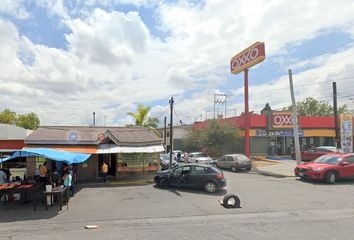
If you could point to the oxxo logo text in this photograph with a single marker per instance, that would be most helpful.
(243, 59)
(282, 120)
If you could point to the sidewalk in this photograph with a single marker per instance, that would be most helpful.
(282, 168)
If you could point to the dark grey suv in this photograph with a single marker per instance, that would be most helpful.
(207, 177)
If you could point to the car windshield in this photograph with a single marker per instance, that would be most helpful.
(328, 159)
(200, 155)
(242, 157)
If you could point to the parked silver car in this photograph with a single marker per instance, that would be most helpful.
(199, 157)
(234, 162)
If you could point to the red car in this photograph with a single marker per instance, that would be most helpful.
(313, 153)
(327, 168)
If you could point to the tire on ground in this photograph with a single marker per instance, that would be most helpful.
(231, 201)
(331, 177)
(163, 183)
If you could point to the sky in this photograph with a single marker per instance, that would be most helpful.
(65, 59)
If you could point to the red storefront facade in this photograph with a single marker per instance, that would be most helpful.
(271, 132)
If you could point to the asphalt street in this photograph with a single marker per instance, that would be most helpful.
(271, 208)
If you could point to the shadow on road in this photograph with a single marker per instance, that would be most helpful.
(177, 190)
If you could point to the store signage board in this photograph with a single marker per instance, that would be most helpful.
(248, 58)
(346, 132)
(282, 120)
(277, 133)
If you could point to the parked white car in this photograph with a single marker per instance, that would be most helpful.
(199, 157)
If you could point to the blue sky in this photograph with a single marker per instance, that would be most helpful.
(109, 56)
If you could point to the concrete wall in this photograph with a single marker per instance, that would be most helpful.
(89, 169)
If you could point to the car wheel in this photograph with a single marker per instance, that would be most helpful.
(233, 168)
(331, 177)
(231, 201)
(248, 169)
(163, 183)
(210, 187)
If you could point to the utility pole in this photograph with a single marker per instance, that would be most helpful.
(171, 130)
(164, 133)
(105, 120)
(214, 105)
(295, 122)
(335, 110)
(247, 116)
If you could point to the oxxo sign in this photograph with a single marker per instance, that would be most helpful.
(282, 120)
(248, 58)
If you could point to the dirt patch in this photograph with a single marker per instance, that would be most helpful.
(259, 163)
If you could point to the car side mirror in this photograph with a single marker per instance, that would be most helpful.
(344, 163)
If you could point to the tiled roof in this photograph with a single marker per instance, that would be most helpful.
(90, 135)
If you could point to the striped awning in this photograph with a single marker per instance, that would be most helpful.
(110, 148)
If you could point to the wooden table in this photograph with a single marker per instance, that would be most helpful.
(13, 188)
(60, 193)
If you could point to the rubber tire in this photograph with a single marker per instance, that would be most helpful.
(163, 183)
(249, 169)
(215, 187)
(233, 168)
(229, 196)
(328, 177)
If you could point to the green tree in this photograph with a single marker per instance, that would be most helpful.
(141, 117)
(8, 117)
(212, 139)
(312, 107)
(28, 121)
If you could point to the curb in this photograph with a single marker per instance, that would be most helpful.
(271, 174)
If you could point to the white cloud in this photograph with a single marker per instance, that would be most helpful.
(14, 8)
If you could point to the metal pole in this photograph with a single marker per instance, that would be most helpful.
(171, 130)
(247, 117)
(214, 105)
(164, 133)
(335, 110)
(295, 120)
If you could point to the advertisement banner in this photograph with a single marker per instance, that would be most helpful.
(346, 132)
(277, 133)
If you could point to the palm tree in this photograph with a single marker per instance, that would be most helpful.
(142, 119)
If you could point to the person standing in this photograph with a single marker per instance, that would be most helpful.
(3, 176)
(67, 181)
(104, 171)
(186, 157)
(43, 173)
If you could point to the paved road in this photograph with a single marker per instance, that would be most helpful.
(272, 208)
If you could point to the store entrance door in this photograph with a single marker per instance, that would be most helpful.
(111, 160)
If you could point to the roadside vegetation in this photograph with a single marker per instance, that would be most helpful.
(214, 140)
(28, 121)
